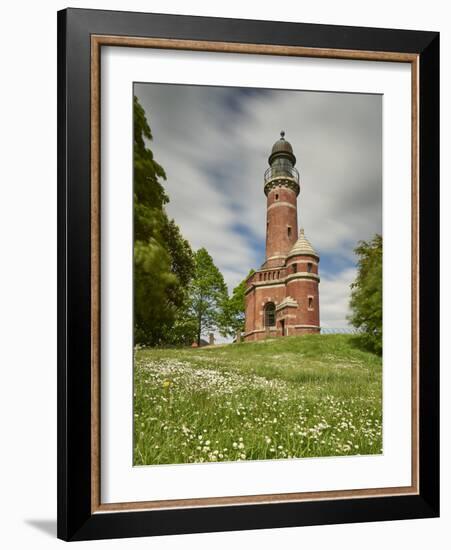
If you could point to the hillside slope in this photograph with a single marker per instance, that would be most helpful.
(308, 396)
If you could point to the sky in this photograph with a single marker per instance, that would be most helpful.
(214, 143)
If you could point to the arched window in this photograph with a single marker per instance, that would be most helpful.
(270, 315)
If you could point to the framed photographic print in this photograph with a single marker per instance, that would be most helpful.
(248, 274)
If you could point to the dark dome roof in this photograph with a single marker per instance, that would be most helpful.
(282, 145)
(282, 148)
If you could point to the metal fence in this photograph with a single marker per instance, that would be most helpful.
(281, 172)
(340, 330)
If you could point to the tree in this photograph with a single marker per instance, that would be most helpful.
(208, 295)
(235, 310)
(366, 293)
(163, 259)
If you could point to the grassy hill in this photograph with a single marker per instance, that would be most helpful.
(308, 396)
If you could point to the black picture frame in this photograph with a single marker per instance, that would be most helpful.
(76, 521)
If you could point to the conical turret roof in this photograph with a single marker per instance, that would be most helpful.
(302, 246)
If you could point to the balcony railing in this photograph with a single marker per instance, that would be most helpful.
(281, 172)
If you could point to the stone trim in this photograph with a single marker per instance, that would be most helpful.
(281, 203)
(271, 329)
(310, 260)
(293, 254)
(282, 181)
(266, 269)
(305, 326)
(287, 303)
(274, 258)
(302, 275)
(283, 306)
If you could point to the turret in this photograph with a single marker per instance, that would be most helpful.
(282, 297)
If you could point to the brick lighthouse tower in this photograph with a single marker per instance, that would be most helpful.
(282, 297)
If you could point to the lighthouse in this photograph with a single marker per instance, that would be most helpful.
(282, 297)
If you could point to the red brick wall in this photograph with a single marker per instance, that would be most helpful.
(302, 264)
(300, 290)
(262, 296)
(278, 218)
(270, 284)
(250, 308)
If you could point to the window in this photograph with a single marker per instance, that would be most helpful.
(310, 302)
(289, 231)
(309, 267)
(295, 268)
(277, 196)
(270, 315)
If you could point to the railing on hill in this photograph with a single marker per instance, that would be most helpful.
(340, 330)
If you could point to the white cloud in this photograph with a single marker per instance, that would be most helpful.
(334, 298)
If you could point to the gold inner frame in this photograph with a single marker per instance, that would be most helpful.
(97, 41)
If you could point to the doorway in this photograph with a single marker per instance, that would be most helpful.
(282, 326)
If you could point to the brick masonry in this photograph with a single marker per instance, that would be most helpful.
(282, 297)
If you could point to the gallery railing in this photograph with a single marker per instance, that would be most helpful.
(281, 172)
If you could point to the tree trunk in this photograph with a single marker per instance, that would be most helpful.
(199, 324)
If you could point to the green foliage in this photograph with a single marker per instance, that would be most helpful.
(235, 308)
(366, 293)
(163, 259)
(208, 295)
(298, 396)
(148, 193)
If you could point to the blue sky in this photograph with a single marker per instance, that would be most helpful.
(214, 142)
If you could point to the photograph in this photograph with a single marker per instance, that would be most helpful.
(248, 253)
(257, 274)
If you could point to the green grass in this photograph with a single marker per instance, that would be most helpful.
(308, 396)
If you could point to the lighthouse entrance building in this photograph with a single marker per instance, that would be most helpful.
(282, 297)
